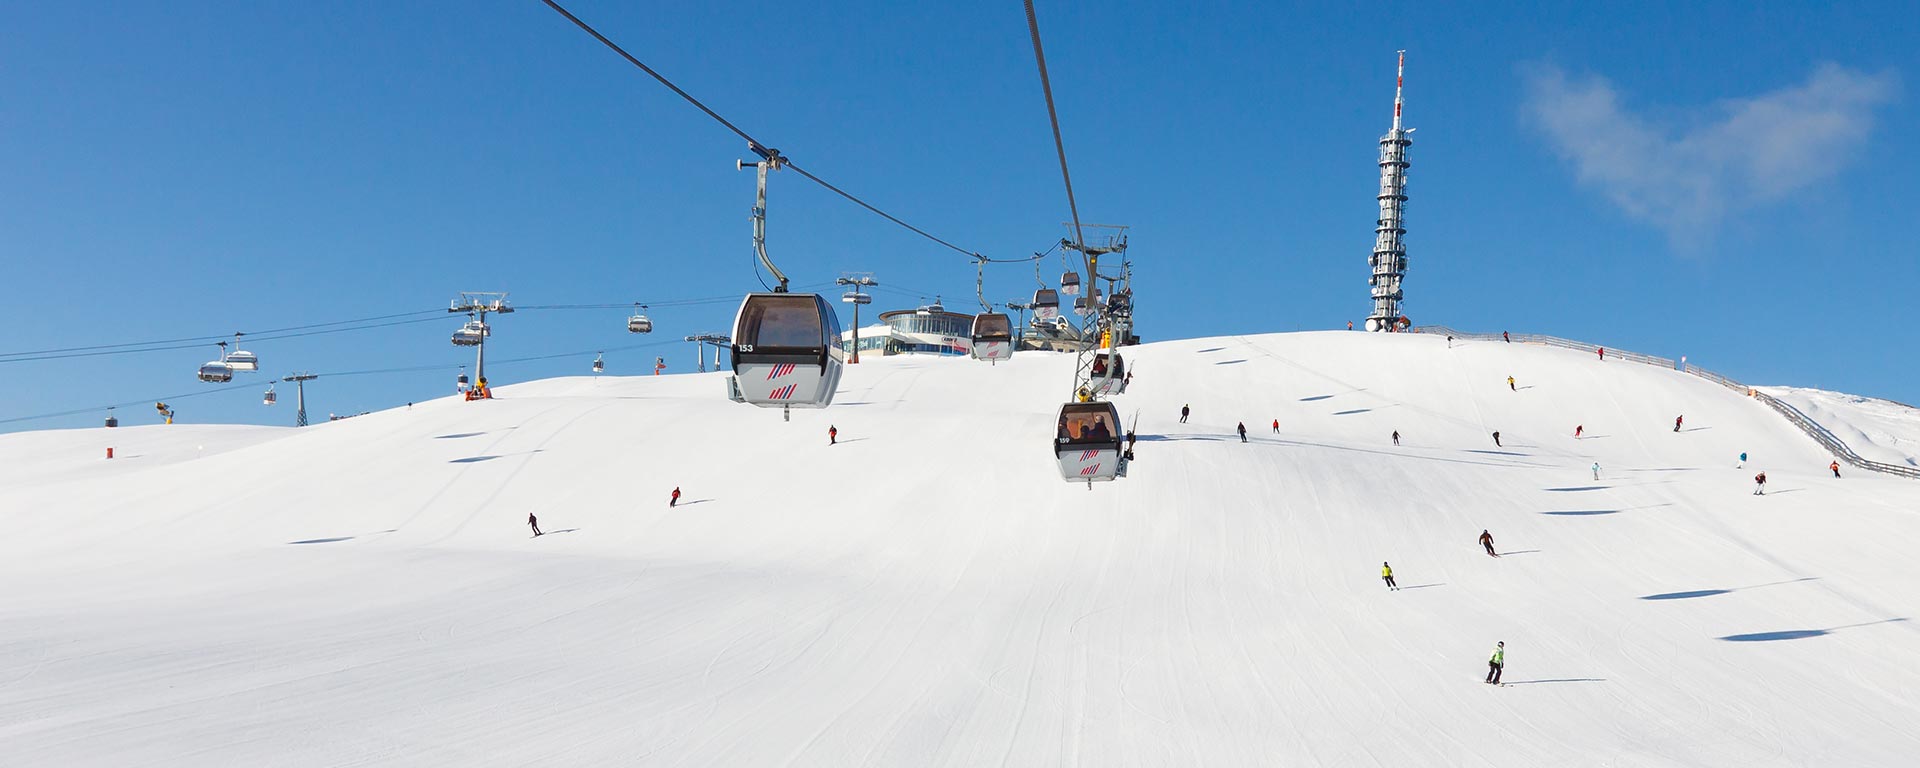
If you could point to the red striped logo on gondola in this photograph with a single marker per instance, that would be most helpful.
(1084, 455)
(1090, 470)
(783, 393)
(779, 371)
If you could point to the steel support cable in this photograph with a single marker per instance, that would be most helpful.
(236, 386)
(221, 337)
(1053, 117)
(130, 403)
(756, 143)
(261, 337)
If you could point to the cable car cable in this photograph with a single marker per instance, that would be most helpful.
(743, 134)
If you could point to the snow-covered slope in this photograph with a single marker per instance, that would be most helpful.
(1878, 430)
(928, 592)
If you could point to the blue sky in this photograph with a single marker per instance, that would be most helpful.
(1728, 181)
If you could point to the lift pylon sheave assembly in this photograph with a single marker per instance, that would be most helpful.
(1100, 370)
(858, 298)
(476, 305)
(786, 346)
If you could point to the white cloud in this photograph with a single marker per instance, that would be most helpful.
(1734, 155)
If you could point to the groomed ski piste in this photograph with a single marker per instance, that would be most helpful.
(929, 592)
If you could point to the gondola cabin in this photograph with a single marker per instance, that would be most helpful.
(1070, 283)
(460, 383)
(269, 398)
(599, 366)
(1046, 304)
(1088, 442)
(1109, 373)
(992, 337)
(786, 351)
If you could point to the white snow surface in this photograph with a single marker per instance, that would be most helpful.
(930, 593)
(1878, 430)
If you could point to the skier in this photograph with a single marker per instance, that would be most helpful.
(1496, 440)
(1577, 429)
(1184, 411)
(534, 523)
(1510, 384)
(1449, 341)
(1276, 426)
(1349, 325)
(1596, 470)
(1835, 466)
(674, 500)
(1743, 461)
(833, 435)
(1386, 573)
(1760, 484)
(1396, 438)
(1129, 445)
(1243, 431)
(1677, 420)
(1497, 663)
(1603, 354)
(1486, 540)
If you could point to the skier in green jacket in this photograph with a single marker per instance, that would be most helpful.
(1497, 662)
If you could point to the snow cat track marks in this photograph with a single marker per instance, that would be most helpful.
(529, 455)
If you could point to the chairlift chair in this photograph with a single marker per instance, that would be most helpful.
(217, 371)
(639, 323)
(471, 334)
(992, 337)
(1088, 443)
(786, 351)
(856, 297)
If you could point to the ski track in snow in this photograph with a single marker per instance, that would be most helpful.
(929, 592)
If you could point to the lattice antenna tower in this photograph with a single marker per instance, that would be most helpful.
(1389, 260)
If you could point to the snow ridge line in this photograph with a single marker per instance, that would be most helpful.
(1811, 428)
